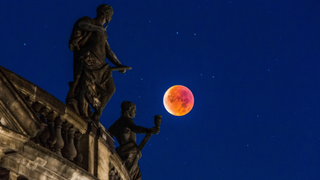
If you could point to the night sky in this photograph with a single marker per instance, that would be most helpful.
(252, 66)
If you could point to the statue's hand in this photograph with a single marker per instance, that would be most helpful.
(155, 130)
(122, 71)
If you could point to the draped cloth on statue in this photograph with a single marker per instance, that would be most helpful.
(94, 83)
(130, 154)
(93, 80)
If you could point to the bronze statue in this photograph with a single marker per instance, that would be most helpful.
(93, 83)
(124, 129)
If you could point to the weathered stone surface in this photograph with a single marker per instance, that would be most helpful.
(59, 143)
(103, 161)
(51, 123)
(58, 165)
(36, 93)
(87, 150)
(106, 139)
(78, 159)
(14, 176)
(69, 150)
(18, 108)
(19, 122)
(75, 119)
(8, 120)
(24, 85)
(11, 141)
(115, 160)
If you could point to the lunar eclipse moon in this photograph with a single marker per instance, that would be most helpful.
(178, 100)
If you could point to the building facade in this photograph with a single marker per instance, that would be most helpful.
(42, 138)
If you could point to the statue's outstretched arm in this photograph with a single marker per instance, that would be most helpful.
(111, 56)
(138, 129)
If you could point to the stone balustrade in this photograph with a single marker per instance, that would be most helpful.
(61, 131)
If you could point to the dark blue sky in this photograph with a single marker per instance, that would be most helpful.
(253, 67)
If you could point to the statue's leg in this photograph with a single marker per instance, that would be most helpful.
(83, 106)
(105, 97)
(77, 70)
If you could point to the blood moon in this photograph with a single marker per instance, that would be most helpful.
(178, 100)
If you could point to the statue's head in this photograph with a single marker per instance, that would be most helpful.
(105, 10)
(128, 109)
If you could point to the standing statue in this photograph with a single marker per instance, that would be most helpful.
(93, 83)
(125, 131)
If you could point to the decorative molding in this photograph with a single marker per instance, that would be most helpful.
(74, 119)
(10, 120)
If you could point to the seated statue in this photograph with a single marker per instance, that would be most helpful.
(93, 83)
(124, 129)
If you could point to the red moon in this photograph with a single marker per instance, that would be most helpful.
(178, 100)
